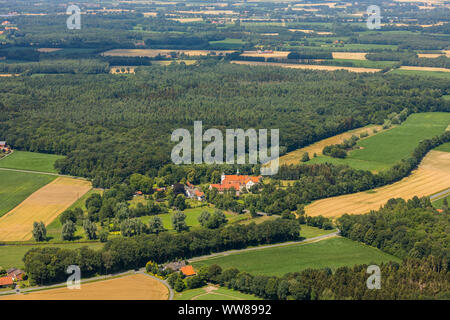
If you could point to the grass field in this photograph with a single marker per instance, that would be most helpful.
(444, 147)
(130, 287)
(43, 205)
(11, 255)
(385, 149)
(432, 176)
(437, 74)
(295, 156)
(332, 253)
(440, 202)
(30, 161)
(213, 293)
(15, 187)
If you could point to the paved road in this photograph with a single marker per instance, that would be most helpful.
(440, 195)
(225, 253)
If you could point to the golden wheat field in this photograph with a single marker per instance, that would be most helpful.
(45, 205)
(424, 68)
(274, 54)
(432, 176)
(350, 55)
(132, 287)
(306, 66)
(294, 157)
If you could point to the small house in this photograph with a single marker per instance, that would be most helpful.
(175, 266)
(15, 274)
(188, 271)
(6, 281)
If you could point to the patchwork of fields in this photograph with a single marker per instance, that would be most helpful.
(43, 205)
(432, 176)
(385, 149)
(32, 161)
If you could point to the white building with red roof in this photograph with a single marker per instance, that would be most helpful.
(236, 181)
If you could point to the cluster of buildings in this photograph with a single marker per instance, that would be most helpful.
(4, 147)
(193, 192)
(237, 182)
(12, 275)
(180, 266)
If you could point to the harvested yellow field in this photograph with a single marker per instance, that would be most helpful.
(432, 176)
(429, 55)
(350, 55)
(154, 52)
(44, 205)
(274, 54)
(47, 50)
(294, 157)
(132, 287)
(184, 20)
(424, 68)
(306, 66)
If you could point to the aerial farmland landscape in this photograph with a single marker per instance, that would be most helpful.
(246, 151)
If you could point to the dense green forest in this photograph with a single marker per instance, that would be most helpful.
(111, 127)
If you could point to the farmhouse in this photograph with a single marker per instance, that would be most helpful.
(6, 281)
(15, 274)
(175, 266)
(193, 192)
(4, 147)
(188, 271)
(237, 182)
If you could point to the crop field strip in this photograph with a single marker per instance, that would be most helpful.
(432, 176)
(43, 205)
(131, 287)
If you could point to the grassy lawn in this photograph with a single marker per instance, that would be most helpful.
(30, 161)
(383, 150)
(311, 232)
(17, 186)
(332, 253)
(11, 255)
(221, 293)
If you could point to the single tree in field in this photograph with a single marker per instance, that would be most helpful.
(179, 222)
(68, 230)
(90, 229)
(204, 217)
(155, 225)
(305, 157)
(39, 231)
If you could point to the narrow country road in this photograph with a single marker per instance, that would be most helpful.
(440, 195)
(40, 172)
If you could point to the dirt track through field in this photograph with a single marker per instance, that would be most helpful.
(432, 176)
(132, 287)
(43, 205)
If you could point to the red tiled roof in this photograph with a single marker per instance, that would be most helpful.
(227, 186)
(188, 270)
(5, 281)
(198, 193)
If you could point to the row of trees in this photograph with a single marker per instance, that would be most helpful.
(46, 265)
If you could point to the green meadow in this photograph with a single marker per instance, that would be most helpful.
(33, 161)
(437, 74)
(11, 255)
(331, 253)
(17, 186)
(381, 151)
(220, 293)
